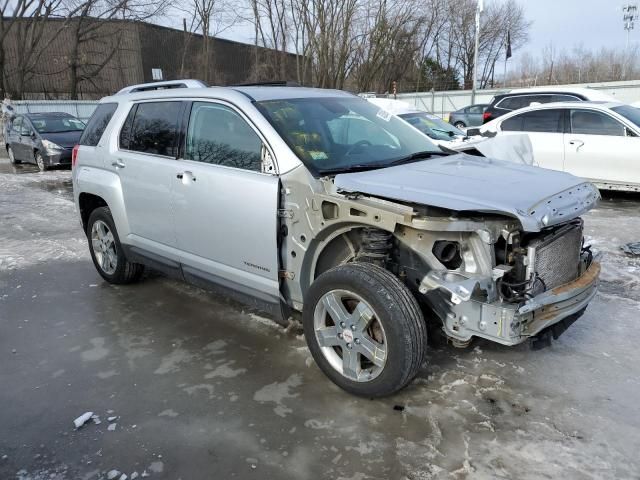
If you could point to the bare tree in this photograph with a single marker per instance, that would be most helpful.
(210, 18)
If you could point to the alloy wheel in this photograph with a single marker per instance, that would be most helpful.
(104, 247)
(350, 335)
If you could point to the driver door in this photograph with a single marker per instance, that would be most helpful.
(225, 207)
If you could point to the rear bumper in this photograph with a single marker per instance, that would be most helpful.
(510, 324)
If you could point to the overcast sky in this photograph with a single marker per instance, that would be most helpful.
(567, 23)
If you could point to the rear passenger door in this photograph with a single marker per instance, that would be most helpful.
(225, 206)
(474, 115)
(545, 128)
(146, 163)
(598, 147)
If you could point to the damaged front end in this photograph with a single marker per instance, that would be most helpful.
(537, 281)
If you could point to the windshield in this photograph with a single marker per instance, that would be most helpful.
(333, 134)
(630, 113)
(432, 126)
(57, 124)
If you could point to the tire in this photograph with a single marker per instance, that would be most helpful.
(12, 157)
(106, 250)
(42, 166)
(377, 300)
(459, 125)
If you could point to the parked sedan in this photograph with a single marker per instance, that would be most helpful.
(470, 116)
(46, 139)
(439, 131)
(599, 141)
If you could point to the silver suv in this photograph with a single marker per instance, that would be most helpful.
(317, 201)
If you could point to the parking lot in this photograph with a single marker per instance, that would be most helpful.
(201, 388)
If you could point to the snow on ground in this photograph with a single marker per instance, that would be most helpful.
(569, 411)
(42, 225)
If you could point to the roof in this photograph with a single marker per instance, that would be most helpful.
(584, 104)
(252, 93)
(283, 93)
(48, 114)
(589, 93)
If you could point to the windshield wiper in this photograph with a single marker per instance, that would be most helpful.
(415, 157)
(362, 167)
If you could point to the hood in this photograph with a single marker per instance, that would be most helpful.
(64, 139)
(537, 197)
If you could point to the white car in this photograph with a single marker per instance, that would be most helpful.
(439, 131)
(599, 141)
(512, 149)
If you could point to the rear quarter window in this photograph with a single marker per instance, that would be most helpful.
(97, 124)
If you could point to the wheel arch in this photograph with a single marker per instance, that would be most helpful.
(94, 188)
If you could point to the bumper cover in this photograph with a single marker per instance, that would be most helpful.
(509, 324)
(60, 157)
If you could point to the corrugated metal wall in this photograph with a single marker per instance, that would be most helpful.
(443, 103)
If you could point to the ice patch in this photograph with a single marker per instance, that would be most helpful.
(225, 371)
(98, 352)
(171, 363)
(168, 413)
(277, 392)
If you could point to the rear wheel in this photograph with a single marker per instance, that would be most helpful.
(364, 329)
(42, 166)
(106, 251)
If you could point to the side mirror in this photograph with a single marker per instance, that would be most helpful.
(629, 133)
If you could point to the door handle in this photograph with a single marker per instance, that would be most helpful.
(118, 164)
(577, 144)
(184, 176)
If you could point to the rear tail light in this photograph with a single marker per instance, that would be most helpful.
(74, 155)
(486, 116)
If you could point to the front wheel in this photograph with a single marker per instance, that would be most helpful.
(106, 251)
(42, 166)
(459, 125)
(364, 329)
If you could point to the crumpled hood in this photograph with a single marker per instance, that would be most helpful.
(537, 197)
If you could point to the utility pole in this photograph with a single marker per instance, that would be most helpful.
(629, 17)
(479, 9)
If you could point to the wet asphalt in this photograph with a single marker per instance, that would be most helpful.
(196, 387)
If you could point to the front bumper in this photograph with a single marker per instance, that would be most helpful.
(58, 157)
(464, 317)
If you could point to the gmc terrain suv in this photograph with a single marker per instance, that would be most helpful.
(317, 201)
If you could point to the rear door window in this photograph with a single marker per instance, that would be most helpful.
(97, 124)
(589, 122)
(546, 121)
(152, 128)
(565, 98)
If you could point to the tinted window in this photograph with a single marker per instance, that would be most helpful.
(630, 113)
(154, 129)
(97, 124)
(513, 103)
(587, 122)
(549, 121)
(218, 135)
